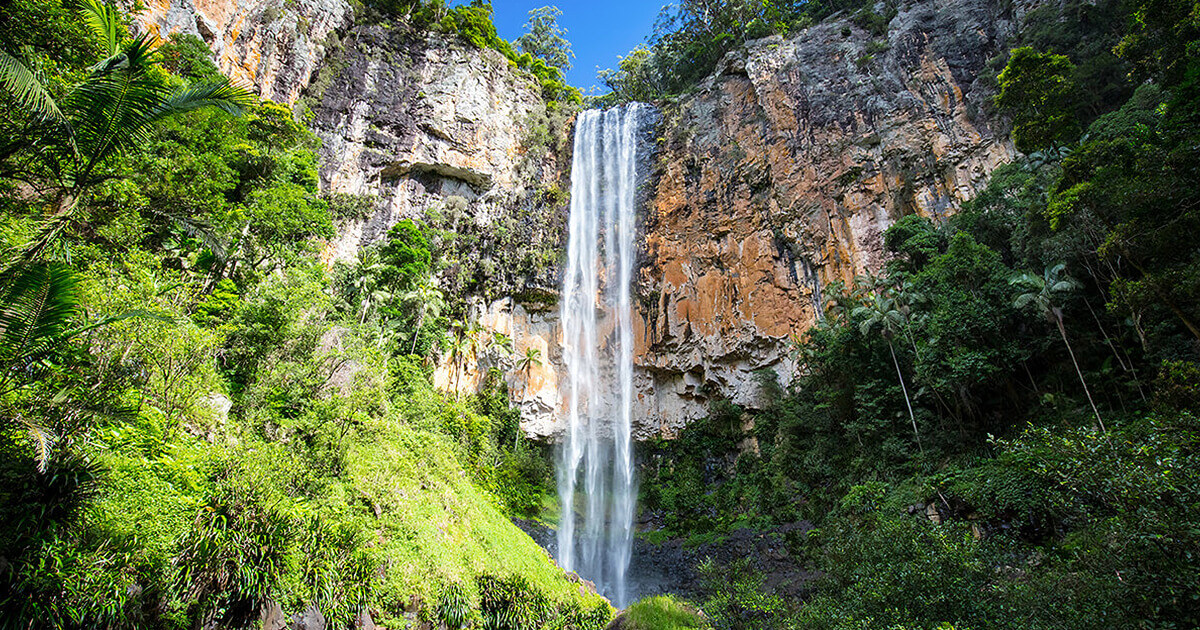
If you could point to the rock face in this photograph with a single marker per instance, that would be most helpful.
(422, 121)
(780, 175)
(423, 126)
(775, 177)
(272, 45)
(533, 386)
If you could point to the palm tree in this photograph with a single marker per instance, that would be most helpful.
(464, 342)
(837, 302)
(1041, 292)
(883, 311)
(428, 302)
(39, 309)
(502, 343)
(458, 342)
(366, 283)
(70, 139)
(532, 357)
(907, 300)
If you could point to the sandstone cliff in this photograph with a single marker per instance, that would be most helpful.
(780, 174)
(775, 177)
(273, 46)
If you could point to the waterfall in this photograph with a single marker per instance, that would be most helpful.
(596, 313)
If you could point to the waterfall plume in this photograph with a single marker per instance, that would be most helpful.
(596, 455)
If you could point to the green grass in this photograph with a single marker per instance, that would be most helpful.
(435, 527)
(663, 612)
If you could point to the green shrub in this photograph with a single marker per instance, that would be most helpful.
(663, 612)
(737, 599)
(454, 608)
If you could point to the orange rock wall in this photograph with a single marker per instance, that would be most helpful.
(780, 174)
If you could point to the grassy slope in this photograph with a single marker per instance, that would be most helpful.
(436, 527)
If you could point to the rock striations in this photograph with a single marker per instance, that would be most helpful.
(775, 177)
(781, 173)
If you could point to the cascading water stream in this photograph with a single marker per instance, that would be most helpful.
(598, 351)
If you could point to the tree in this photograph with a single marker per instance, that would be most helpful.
(66, 142)
(544, 39)
(1036, 90)
(367, 285)
(39, 313)
(502, 343)
(1042, 291)
(636, 77)
(1163, 38)
(883, 311)
(427, 301)
(1136, 177)
(532, 357)
(457, 342)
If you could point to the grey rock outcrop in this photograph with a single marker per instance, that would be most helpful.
(433, 129)
(274, 46)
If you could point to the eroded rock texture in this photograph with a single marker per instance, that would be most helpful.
(780, 174)
(274, 46)
(423, 121)
(426, 127)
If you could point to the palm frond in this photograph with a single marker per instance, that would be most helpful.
(104, 21)
(1064, 285)
(865, 326)
(112, 319)
(1024, 300)
(37, 304)
(25, 88)
(193, 226)
(233, 99)
(42, 441)
(115, 106)
(1027, 279)
(46, 237)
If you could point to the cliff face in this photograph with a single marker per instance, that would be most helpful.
(423, 126)
(422, 121)
(780, 175)
(273, 46)
(775, 177)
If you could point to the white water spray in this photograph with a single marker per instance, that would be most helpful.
(598, 351)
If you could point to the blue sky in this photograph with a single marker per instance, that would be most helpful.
(599, 30)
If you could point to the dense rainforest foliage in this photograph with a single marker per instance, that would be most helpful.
(199, 421)
(1000, 430)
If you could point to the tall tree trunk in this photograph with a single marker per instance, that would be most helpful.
(1128, 367)
(1063, 331)
(904, 388)
(417, 330)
